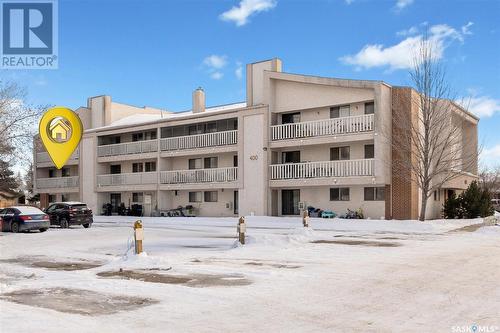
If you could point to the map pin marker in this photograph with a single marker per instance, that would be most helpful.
(61, 131)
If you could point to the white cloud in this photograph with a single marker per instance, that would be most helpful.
(408, 32)
(400, 56)
(215, 61)
(240, 14)
(401, 4)
(239, 70)
(348, 2)
(491, 156)
(216, 75)
(482, 106)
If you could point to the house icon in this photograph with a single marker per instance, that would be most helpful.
(59, 130)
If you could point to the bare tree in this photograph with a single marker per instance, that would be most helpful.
(18, 123)
(489, 179)
(428, 137)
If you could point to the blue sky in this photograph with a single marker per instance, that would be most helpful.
(156, 52)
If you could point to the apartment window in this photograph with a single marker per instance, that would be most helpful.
(137, 137)
(369, 151)
(374, 193)
(150, 166)
(211, 127)
(52, 173)
(290, 118)
(340, 111)
(194, 196)
(64, 198)
(339, 194)
(340, 153)
(137, 197)
(290, 157)
(210, 162)
(115, 169)
(210, 196)
(194, 163)
(65, 172)
(137, 167)
(150, 135)
(52, 198)
(235, 160)
(195, 129)
(369, 108)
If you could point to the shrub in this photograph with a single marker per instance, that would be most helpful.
(473, 202)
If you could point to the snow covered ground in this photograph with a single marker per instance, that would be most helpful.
(338, 275)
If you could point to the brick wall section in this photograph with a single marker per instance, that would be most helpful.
(404, 191)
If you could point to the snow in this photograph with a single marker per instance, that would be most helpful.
(28, 210)
(433, 280)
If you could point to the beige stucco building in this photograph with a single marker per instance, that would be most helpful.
(296, 141)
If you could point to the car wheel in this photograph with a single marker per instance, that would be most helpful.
(63, 223)
(14, 227)
(86, 225)
(43, 229)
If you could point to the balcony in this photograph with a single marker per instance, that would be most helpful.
(323, 127)
(129, 148)
(57, 182)
(214, 139)
(326, 169)
(135, 178)
(43, 159)
(215, 175)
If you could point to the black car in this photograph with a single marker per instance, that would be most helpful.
(65, 214)
(23, 218)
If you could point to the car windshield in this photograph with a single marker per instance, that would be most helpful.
(28, 210)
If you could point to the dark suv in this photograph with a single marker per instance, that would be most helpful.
(65, 214)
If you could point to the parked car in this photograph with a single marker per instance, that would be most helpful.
(65, 214)
(23, 218)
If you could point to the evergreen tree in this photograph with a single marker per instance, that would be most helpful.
(8, 181)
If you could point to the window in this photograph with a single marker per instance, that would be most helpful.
(340, 153)
(137, 167)
(195, 163)
(194, 196)
(374, 193)
(211, 127)
(211, 196)
(340, 111)
(437, 195)
(52, 173)
(290, 118)
(64, 197)
(52, 198)
(369, 151)
(150, 166)
(137, 137)
(290, 157)
(210, 162)
(195, 129)
(150, 135)
(65, 172)
(369, 108)
(137, 197)
(115, 169)
(235, 160)
(339, 194)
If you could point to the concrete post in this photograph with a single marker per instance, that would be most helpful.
(138, 236)
(241, 230)
(305, 219)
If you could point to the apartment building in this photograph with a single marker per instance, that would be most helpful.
(296, 141)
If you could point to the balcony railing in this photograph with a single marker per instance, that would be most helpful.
(136, 147)
(135, 178)
(57, 182)
(200, 140)
(305, 170)
(333, 126)
(44, 156)
(215, 175)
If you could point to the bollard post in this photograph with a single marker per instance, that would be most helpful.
(241, 230)
(305, 219)
(138, 236)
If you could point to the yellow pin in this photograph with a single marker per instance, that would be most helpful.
(61, 131)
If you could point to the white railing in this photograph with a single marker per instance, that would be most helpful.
(333, 126)
(44, 156)
(347, 168)
(200, 140)
(57, 182)
(136, 147)
(215, 175)
(135, 178)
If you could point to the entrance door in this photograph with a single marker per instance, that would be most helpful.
(235, 199)
(290, 202)
(115, 200)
